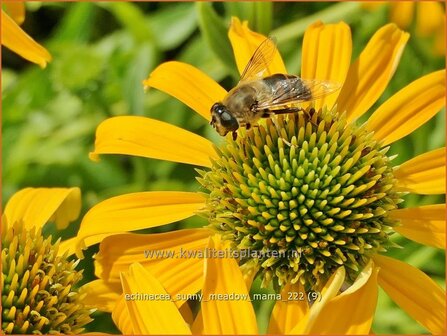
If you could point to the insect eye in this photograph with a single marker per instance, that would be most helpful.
(228, 121)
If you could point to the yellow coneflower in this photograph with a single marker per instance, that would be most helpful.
(429, 18)
(225, 307)
(15, 39)
(38, 281)
(312, 182)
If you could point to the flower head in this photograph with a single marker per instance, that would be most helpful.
(39, 293)
(314, 184)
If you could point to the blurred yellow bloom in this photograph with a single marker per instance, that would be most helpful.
(15, 39)
(226, 308)
(38, 281)
(429, 17)
(324, 186)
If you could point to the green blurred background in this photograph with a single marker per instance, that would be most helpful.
(102, 52)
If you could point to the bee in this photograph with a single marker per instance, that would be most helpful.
(258, 96)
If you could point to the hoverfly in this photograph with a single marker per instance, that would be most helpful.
(257, 96)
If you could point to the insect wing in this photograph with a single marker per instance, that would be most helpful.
(258, 64)
(295, 90)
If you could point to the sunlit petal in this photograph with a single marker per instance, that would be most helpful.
(414, 292)
(188, 84)
(369, 75)
(227, 315)
(424, 224)
(430, 18)
(326, 55)
(36, 206)
(409, 109)
(158, 316)
(15, 39)
(424, 174)
(289, 310)
(139, 136)
(173, 257)
(134, 212)
(330, 290)
(351, 312)
(121, 317)
(245, 41)
(101, 295)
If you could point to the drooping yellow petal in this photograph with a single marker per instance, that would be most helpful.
(401, 13)
(188, 84)
(134, 212)
(67, 246)
(101, 295)
(330, 290)
(150, 316)
(424, 224)
(175, 258)
(16, 10)
(289, 310)
(326, 56)
(424, 174)
(121, 317)
(226, 306)
(351, 312)
(36, 206)
(245, 41)
(409, 109)
(140, 136)
(15, 39)
(414, 292)
(369, 75)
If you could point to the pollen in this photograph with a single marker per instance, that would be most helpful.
(39, 294)
(307, 191)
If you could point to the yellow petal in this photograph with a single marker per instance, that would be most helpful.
(342, 315)
(121, 317)
(401, 13)
(16, 10)
(369, 75)
(139, 136)
(15, 39)
(289, 310)
(67, 247)
(245, 41)
(330, 290)
(226, 314)
(36, 206)
(414, 292)
(173, 257)
(424, 174)
(424, 224)
(326, 55)
(188, 84)
(409, 109)
(430, 18)
(101, 295)
(134, 212)
(150, 316)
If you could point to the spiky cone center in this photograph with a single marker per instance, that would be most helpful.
(39, 294)
(305, 193)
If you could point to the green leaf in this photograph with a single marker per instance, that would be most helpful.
(76, 25)
(173, 25)
(131, 17)
(263, 17)
(214, 32)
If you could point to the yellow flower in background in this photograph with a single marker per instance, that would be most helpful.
(38, 293)
(312, 182)
(429, 18)
(15, 39)
(226, 308)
